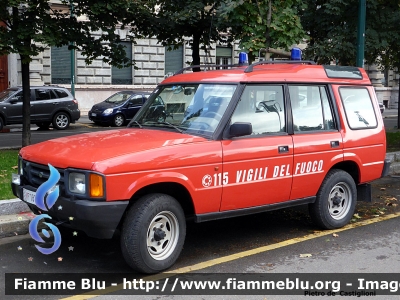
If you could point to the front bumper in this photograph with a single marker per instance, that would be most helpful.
(96, 219)
(100, 118)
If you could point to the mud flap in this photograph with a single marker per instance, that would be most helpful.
(364, 192)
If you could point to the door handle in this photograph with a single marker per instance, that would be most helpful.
(283, 149)
(335, 144)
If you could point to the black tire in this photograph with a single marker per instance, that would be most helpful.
(61, 121)
(1, 123)
(336, 200)
(153, 233)
(119, 120)
(43, 125)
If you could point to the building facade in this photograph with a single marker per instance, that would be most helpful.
(97, 81)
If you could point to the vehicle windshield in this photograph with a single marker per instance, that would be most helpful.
(118, 98)
(6, 94)
(188, 108)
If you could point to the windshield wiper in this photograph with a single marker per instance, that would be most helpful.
(137, 123)
(171, 125)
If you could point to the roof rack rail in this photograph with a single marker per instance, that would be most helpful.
(267, 62)
(208, 66)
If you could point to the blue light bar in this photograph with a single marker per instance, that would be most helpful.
(295, 54)
(243, 58)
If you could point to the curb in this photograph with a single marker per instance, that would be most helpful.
(16, 224)
(12, 207)
(15, 215)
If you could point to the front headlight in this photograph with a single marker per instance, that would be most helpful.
(107, 111)
(85, 184)
(77, 183)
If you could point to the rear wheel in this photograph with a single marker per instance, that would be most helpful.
(336, 200)
(1, 123)
(61, 121)
(153, 233)
(119, 120)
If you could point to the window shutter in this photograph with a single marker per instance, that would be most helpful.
(173, 60)
(60, 65)
(123, 75)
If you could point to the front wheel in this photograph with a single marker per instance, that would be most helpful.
(336, 200)
(119, 120)
(1, 124)
(153, 233)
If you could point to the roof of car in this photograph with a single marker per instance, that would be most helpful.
(283, 72)
(41, 86)
(134, 92)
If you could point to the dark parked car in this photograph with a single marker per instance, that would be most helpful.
(49, 105)
(119, 108)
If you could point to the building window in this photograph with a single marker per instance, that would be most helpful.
(173, 60)
(224, 56)
(123, 75)
(60, 65)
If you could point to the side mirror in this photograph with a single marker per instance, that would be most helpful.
(188, 91)
(240, 129)
(14, 100)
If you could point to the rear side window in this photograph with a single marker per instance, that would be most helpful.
(61, 93)
(136, 100)
(311, 108)
(358, 107)
(42, 94)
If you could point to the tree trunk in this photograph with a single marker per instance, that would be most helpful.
(26, 104)
(267, 33)
(196, 51)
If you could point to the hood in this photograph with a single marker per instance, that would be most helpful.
(83, 150)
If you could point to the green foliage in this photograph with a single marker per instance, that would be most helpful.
(249, 23)
(332, 26)
(8, 165)
(393, 141)
(171, 21)
(34, 25)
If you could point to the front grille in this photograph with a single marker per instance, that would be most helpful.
(36, 174)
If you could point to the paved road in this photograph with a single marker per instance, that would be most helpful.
(13, 139)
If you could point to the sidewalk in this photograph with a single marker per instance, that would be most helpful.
(15, 215)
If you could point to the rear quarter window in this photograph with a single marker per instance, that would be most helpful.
(61, 93)
(359, 110)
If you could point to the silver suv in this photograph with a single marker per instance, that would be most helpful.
(49, 105)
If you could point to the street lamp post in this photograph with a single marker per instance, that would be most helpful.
(72, 58)
(362, 7)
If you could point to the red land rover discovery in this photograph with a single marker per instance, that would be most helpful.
(217, 144)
